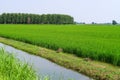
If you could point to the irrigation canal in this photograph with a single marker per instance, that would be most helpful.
(43, 67)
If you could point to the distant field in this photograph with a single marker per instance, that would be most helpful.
(98, 42)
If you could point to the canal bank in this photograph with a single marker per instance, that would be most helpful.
(43, 67)
(94, 69)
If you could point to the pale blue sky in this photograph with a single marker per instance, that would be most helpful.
(81, 10)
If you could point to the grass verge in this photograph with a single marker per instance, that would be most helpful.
(94, 69)
(12, 69)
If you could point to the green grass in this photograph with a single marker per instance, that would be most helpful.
(12, 69)
(98, 42)
(94, 69)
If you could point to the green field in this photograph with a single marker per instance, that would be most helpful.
(98, 42)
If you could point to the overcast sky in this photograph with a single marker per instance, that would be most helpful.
(82, 10)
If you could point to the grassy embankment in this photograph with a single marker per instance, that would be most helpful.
(12, 69)
(97, 70)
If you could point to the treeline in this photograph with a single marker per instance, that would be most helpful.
(22, 18)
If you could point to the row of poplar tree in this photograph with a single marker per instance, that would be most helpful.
(22, 18)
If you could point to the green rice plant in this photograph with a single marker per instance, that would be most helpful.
(98, 42)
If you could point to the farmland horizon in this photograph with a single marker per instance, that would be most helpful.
(84, 11)
(110, 22)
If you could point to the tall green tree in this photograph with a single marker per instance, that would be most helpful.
(114, 22)
(21, 18)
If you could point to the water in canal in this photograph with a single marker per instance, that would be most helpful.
(44, 67)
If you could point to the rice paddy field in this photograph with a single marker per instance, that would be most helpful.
(98, 42)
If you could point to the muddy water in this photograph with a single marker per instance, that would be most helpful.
(44, 67)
